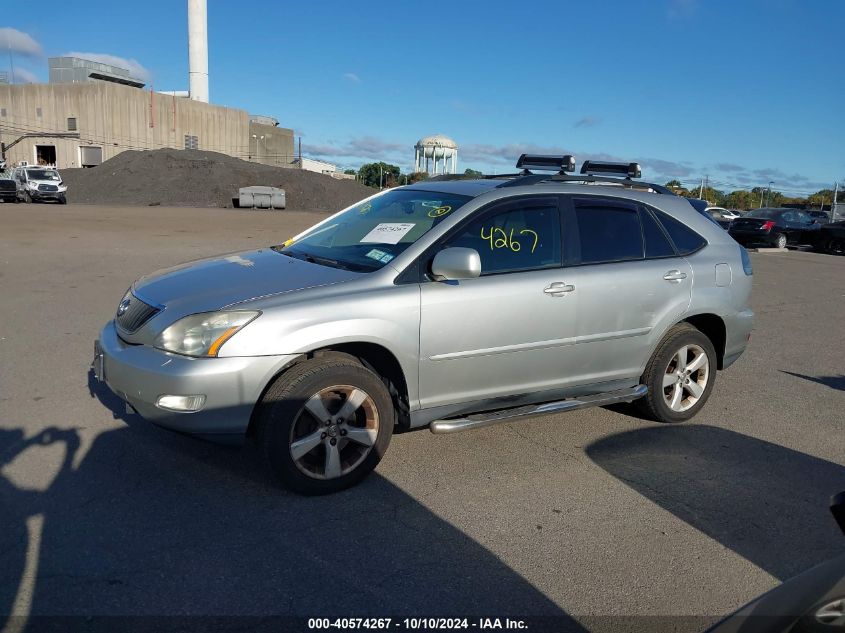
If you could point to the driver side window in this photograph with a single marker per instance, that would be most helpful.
(523, 236)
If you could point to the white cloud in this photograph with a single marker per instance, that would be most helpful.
(352, 77)
(19, 42)
(588, 121)
(24, 76)
(132, 65)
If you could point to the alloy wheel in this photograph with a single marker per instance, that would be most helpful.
(686, 378)
(334, 432)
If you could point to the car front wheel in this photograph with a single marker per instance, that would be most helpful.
(325, 424)
(679, 375)
(780, 241)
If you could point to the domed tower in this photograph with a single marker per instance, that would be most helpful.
(436, 154)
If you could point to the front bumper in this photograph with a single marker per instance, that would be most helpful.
(46, 195)
(754, 237)
(139, 374)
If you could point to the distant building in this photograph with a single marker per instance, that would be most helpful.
(75, 70)
(85, 123)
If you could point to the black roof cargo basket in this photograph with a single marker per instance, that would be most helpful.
(628, 170)
(560, 164)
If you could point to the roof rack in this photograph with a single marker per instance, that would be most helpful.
(561, 164)
(592, 172)
(592, 167)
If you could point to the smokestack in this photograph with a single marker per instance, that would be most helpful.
(198, 49)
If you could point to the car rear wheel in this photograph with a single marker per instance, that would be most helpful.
(679, 376)
(837, 247)
(325, 424)
(780, 241)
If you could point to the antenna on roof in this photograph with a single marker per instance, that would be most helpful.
(561, 164)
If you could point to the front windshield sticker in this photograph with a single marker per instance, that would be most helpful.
(387, 233)
(436, 212)
(376, 254)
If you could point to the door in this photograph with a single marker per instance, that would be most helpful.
(630, 285)
(508, 332)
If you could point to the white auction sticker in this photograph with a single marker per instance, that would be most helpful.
(387, 233)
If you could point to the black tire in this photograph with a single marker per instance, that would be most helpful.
(62, 200)
(837, 247)
(780, 241)
(283, 418)
(28, 197)
(654, 404)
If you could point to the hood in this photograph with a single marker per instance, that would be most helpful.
(211, 284)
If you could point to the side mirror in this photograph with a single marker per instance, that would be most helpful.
(456, 263)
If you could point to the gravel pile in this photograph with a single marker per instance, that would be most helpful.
(194, 178)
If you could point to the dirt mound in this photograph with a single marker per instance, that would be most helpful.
(194, 178)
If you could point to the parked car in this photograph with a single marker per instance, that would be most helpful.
(447, 304)
(703, 207)
(831, 238)
(36, 183)
(811, 602)
(775, 227)
(720, 213)
(8, 187)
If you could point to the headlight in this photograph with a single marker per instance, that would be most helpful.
(32, 185)
(203, 334)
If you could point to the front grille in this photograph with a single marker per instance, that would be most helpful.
(47, 188)
(137, 313)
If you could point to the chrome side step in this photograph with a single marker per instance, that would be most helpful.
(479, 420)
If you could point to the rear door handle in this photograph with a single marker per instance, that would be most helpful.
(558, 288)
(674, 275)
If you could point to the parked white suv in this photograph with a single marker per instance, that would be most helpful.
(40, 183)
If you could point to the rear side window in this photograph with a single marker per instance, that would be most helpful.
(608, 232)
(523, 236)
(656, 242)
(686, 240)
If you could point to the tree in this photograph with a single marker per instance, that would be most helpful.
(473, 173)
(379, 174)
(350, 172)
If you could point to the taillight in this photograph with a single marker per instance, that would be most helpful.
(768, 224)
(746, 261)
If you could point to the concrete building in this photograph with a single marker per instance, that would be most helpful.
(83, 124)
(436, 154)
(74, 70)
(270, 144)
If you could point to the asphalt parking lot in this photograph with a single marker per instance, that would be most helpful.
(582, 515)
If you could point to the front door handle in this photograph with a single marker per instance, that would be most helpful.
(558, 288)
(674, 275)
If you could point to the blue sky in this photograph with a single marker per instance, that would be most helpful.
(745, 91)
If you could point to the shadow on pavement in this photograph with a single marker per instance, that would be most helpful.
(152, 523)
(767, 503)
(834, 382)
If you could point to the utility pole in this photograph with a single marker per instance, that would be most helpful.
(701, 189)
(769, 192)
(833, 205)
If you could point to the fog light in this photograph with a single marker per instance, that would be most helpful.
(181, 403)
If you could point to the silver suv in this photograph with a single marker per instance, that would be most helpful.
(451, 304)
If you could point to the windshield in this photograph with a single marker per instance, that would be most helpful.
(42, 174)
(367, 236)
